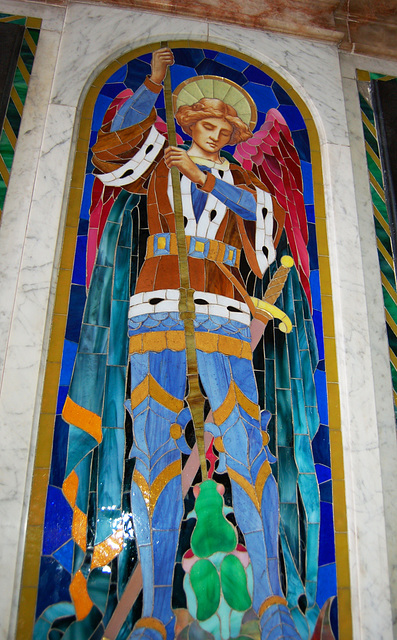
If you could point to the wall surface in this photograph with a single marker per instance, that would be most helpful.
(75, 44)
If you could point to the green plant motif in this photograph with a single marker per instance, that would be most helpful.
(217, 585)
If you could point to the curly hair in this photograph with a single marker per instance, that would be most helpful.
(187, 115)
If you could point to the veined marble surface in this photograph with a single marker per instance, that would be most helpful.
(73, 48)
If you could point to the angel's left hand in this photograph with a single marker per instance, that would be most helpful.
(175, 157)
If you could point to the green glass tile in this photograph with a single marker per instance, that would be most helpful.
(367, 109)
(13, 117)
(118, 339)
(383, 236)
(20, 85)
(288, 475)
(386, 269)
(392, 339)
(284, 418)
(27, 56)
(34, 33)
(113, 409)
(379, 203)
(3, 190)
(375, 171)
(298, 407)
(6, 150)
(371, 140)
(390, 304)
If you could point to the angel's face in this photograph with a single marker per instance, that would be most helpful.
(211, 134)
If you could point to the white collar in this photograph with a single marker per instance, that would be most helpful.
(221, 166)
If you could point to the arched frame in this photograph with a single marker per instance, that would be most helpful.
(48, 410)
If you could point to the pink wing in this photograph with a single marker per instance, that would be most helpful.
(103, 198)
(272, 156)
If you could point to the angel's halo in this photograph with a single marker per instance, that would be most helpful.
(197, 87)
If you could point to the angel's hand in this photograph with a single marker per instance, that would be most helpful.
(175, 157)
(161, 60)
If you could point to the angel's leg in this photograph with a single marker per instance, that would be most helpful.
(157, 390)
(231, 388)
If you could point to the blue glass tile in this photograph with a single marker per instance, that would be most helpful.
(326, 585)
(284, 417)
(188, 57)
(312, 246)
(57, 521)
(231, 61)
(320, 446)
(107, 247)
(303, 453)
(98, 588)
(101, 105)
(323, 473)
(83, 471)
(288, 475)
(76, 309)
(54, 584)
(112, 90)
(98, 304)
(118, 76)
(118, 339)
(302, 144)
(253, 74)
(310, 213)
(282, 96)
(321, 365)
(298, 407)
(315, 289)
(289, 516)
(121, 284)
(180, 73)
(321, 384)
(79, 268)
(209, 53)
(326, 491)
(308, 386)
(214, 68)
(68, 357)
(83, 227)
(59, 450)
(41, 629)
(262, 95)
(62, 393)
(115, 393)
(292, 116)
(88, 381)
(327, 543)
(93, 339)
(318, 328)
(334, 618)
(137, 70)
(86, 201)
(313, 420)
(64, 555)
(309, 491)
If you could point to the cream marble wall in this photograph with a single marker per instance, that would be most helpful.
(74, 46)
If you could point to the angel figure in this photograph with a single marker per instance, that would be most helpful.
(231, 215)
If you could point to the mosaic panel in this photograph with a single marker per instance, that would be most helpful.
(381, 216)
(16, 100)
(189, 464)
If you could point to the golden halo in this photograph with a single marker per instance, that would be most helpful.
(193, 89)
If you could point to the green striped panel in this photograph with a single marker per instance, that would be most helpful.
(381, 220)
(9, 134)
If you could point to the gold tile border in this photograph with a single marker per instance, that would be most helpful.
(46, 426)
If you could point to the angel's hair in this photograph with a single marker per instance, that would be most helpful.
(187, 115)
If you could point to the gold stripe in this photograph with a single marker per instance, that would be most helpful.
(369, 124)
(79, 528)
(12, 18)
(81, 600)
(21, 66)
(138, 478)
(391, 322)
(250, 407)
(158, 393)
(150, 493)
(245, 485)
(386, 284)
(140, 393)
(172, 471)
(82, 418)
(16, 100)
(4, 173)
(216, 251)
(70, 486)
(378, 188)
(9, 133)
(384, 253)
(211, 342)
(269, 602)
(175, 341)
(158, 341)
(30, 42)
(373, 155)
(381, 220)
(393, 358)
(105, 551)
(152, 623)
(263, 475)
(223, 412)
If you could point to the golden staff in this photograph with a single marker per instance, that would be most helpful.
(186, 302)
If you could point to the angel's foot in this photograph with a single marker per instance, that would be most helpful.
(277, 624)
(148, 629)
